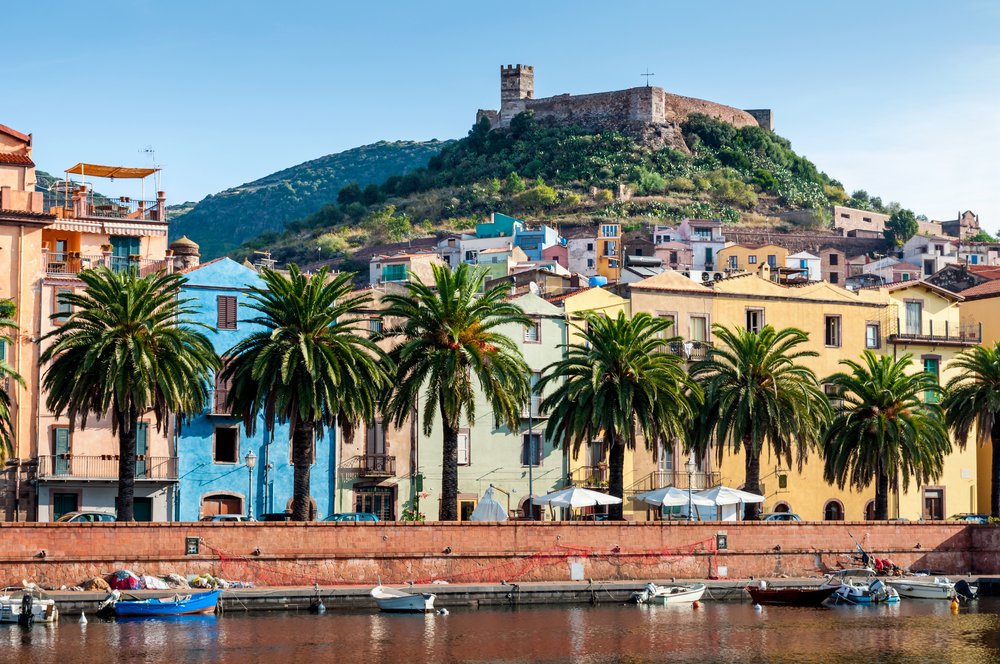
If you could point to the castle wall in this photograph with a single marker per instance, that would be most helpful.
(678, 108)
(602, 109)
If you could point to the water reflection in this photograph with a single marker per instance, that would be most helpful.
(910, 631)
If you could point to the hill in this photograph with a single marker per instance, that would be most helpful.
(222, 221)
(571, 175)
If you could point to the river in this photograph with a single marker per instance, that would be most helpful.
(912, 631)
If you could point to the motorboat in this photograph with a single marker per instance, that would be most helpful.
(790, 596)
(937, 587)
(178, 605)
(859, 586)
(394, 600)
(27, 606)
(670, 595)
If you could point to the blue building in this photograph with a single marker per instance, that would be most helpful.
(212, 448)
(533, 240)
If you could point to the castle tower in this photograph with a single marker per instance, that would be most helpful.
(517, 83)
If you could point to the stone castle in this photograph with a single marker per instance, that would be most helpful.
(651, 113)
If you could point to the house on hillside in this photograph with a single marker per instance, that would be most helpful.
(930, 252)
(810, 264)
(581, 249)
(749, 257)
(706, 239)
(401, 267)
(959, 277)
(849, 220)
(674, 255)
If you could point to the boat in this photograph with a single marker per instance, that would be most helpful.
(199, 603)
(396, 601)
(938, 587)
(859, 586)
(27, 606)
(790, 596)
(669, 595)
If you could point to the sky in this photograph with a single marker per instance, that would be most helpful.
(899, 98)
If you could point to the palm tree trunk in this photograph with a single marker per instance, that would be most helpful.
(751, 511)
(302, 447)
(881, 494)
(448, 509)
(125, 501)
(995, 471)
(616, 470)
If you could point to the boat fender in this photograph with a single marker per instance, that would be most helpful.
(954, 605)
(83, 618)
(317, 606)
(758, 607)
(442, 612)
(26, 617)
(695, 604)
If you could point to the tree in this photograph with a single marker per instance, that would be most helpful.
(617, 379)
(756, 395)
(972, 403)
(127, 349)
(901, 226)
(6, 372)
(982, 236)
(308, 366)
(448, 345)
(888, 428)
(350, 193)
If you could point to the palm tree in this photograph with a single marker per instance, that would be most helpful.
(973, 401)
(758, 395)
(308, 366)
(127, 350)
(448, 344)
(6, 372)
(887, 428)
(618, 379)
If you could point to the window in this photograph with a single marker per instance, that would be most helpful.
(394, 272)
(590, 262)
(226, 312)
(834, 259)
(868, 219)
(755, 320)
(873, 335)
(699, 328)
(609, 230)
(227, 445)
(613, 264)
(751, 260)
(62, 308)
(610, 248)
(831, 328)
(733, 262)
(833, 511)
(803, 264)
(932, 366)
(470, 256)
(673, 257)
(914, 316)
(533, 333)
(703, 233)
(638, 252)
(672, 330)
(464, 448)
(834, 278)
(974, 259)
(528, 243)
(141, 449)
(844, 215)
(665, 463)
(708, 256)
(870, 510)
(772, 260)
(377, 500)
(123, 247)
(590, 246)
(906, 276)
(375, 326)
(531, 449)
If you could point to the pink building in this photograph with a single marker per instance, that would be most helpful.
(558, 253)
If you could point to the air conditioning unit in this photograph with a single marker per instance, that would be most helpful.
(718, 276)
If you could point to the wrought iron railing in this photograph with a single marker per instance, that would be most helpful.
(590, 476)
(690, 350)
(377, 465)
(104, 467)
(925, 331)
(57, 263)
(658, 479)
(123, 208)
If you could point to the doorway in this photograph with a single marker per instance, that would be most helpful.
(64, 503)
(933, 503)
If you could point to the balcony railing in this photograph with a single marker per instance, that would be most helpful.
(122, 208)
(690, 350)
(532, 409)
(968, 334)
(699, 481)
(590, 476)
(104, 467)
(377, 465)
(58, 263)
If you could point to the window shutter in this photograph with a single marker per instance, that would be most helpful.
(226, 312)
(464, 453)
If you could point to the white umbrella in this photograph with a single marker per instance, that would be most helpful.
(576, 497)
(723, 495)
(671, 496)
(488, 509)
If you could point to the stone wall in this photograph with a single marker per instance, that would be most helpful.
(343, 553)
(813, 242)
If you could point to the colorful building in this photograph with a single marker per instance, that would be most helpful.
(749, 257)
(401, 267)
(609, 251)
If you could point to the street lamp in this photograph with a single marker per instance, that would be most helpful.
(251, 460)
(690, 466)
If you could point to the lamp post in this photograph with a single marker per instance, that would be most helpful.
(251, 461)
(690, 466)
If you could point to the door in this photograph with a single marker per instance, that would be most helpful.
(221, 504)
(377, 500)
(708, 258)
(933, 504)
(914, 317)
(375, 448)
(141, 450)
(61, 451)
(142, 509)
(123, 246)
(465, 509)
(64, 503)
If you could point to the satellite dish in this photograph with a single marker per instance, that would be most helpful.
(533, 288)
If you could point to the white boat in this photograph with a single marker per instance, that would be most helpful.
(397, 601)
(26, 607)
(924, 588)
(670, 595)
(860, 586)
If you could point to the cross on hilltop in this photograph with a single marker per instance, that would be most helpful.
(647, 75)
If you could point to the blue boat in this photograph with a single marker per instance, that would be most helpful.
(171, 606)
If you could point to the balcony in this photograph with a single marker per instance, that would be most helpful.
(377, 465)
(692, 351)
(532, 409)
(104, 467)
(676, 478)
(592, 477)
(72, 262)
(926, 332)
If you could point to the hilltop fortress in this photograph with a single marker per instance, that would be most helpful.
(650, 113)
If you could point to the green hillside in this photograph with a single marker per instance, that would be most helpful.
(221, 222)
(569, 175)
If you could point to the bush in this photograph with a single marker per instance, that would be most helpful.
(649, 182)
(604, 196)
(682, 183)
(765, 179)
(333, 243)
(514, 184)
(538, 197)
(350, 194)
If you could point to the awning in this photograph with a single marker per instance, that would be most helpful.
(101, 171)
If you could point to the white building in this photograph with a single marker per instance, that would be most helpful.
(803, 260)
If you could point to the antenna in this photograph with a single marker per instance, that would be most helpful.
(533, 288)
(647, 75)
(151, 152)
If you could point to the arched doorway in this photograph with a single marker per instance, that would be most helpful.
(833, 511)
(782, 507)
(870, 511)
(526, 511)
(312, 508)
(221, 502)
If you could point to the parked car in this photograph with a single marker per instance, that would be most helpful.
(970, 518)
(228, 517)
(352, 516)
(276, 516)
(779, 516)
(86, 517)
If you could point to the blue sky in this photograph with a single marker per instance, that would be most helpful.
(897, 97)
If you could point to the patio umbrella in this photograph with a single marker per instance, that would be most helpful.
(488, 509)
(723, 496)
(576, 497)
(671, 496)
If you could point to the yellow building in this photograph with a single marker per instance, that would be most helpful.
(609, 251)
(750, 257)
(840, 324)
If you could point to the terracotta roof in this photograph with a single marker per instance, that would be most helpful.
(15, 133)
(899, 285)
(904, 265)
(985, 289)
(986, 271)
(496, 250)
(671, 280)
(560, 298)
(15, 159)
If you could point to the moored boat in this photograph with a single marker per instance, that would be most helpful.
(199, 603)
(670, 595)
(27, 606)
(923, 588)
(859, 586)
(790, 596)
(397, 601)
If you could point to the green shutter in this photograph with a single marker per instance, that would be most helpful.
(141, 431)
(61, 450)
